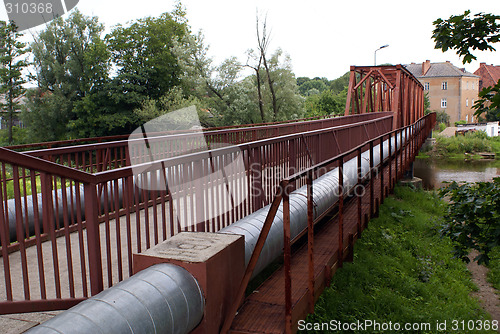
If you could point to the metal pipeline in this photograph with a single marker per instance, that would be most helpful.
(325, 193)
(164, 298)
(28, 211)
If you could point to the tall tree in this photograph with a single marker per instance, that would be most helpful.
(72, 64)
(263, 40)
(12, 64)
(464, 34)
(142, 53)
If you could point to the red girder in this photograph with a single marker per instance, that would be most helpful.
(385, 88)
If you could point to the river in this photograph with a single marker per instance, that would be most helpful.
(434, 173)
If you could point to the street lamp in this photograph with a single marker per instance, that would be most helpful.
(375, 54)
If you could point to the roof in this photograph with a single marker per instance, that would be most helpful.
(490, 74)
(439, 70)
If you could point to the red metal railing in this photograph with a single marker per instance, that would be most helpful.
(94, 140)
(394, 166)
(92, 223)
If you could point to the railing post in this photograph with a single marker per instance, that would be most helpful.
(381, 170)
(256, 190)
(46, 190)
(93, 238)
(371, 180)
(390, 162)
(292, 165)
(341, 213)
(310, 239)
(358, 196)
(401, 153)
(287, 260)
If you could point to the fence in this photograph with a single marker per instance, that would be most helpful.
(86, 226)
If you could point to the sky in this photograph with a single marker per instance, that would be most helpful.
(323, 38)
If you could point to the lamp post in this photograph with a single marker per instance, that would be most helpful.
(375, 54)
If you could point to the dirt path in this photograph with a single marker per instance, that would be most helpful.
(487, 294)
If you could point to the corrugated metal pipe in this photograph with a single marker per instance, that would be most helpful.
(164, 298)
(325, 193)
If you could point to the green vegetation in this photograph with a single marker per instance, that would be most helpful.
(324, 97)
(402, 271)
(91, 84)
(465, 33)
(494, 265)
(455, 147)
(473, 218)
(12, 65)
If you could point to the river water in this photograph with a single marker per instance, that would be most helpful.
(434, 173)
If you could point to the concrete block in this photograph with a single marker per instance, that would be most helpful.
(216, 260)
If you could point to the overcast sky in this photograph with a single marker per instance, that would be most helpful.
(323, 38)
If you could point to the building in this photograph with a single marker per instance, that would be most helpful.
(450, 89)
(489, 75)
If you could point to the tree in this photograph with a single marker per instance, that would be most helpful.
(72, 64)
(326, 103)
(283, 101)
(312, 85)
(465, 34)
(473, 218)
(12, 64)
(263, 39)
(143, 55)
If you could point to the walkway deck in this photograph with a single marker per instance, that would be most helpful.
(264, 310)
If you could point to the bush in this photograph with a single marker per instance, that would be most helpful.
(473, 218)
(471, 142)
(460, 123)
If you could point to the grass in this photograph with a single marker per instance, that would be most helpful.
(403, 271)
(27, 182)
(494, 274)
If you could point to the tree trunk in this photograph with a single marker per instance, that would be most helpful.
(271, 89)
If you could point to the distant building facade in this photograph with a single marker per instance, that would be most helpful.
(488, 75)
(450, 89)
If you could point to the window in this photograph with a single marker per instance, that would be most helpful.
(472, 102)
(466, 102)
(472, 85)
(472, 119)
(444, 85)
(426, 86)
(467, 118)
(443, 103)
(467, 85)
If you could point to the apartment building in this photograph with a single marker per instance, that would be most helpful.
(450, 89)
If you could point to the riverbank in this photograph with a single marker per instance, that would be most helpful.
(469, 147)
(403, 272)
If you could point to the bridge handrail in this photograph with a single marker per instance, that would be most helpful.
(41, 165)
(70, 142)
(210, 132)
(415, 140)
(109, 175)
